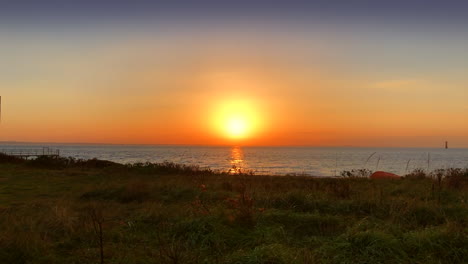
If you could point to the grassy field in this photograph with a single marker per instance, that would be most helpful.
(67, 211)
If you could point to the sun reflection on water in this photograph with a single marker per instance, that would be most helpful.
(236, 160)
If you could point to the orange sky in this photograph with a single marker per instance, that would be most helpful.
(319, 88)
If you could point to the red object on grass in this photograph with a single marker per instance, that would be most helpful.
(384, 175)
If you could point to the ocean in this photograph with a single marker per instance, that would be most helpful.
(313, 161)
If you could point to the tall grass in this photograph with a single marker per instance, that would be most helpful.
(72, 211)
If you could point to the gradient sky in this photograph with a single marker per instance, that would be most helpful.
(323, 73)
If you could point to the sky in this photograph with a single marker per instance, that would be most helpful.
(286, 73)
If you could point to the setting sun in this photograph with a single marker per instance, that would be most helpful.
(237, 119)
(237, 127)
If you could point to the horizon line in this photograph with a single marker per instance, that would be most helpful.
(216, 145)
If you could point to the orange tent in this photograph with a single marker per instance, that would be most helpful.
(384, 175)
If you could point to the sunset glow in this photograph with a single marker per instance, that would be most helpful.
(221, 80)
(236, 119)
(237, 127)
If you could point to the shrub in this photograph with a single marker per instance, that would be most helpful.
(169, 168)
(69, 162)
(356, 173)
(456, 178)
(417, 174)
(10, 159)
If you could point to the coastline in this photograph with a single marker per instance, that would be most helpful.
(274, 160)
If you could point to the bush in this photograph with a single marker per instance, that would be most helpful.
(10, 159)
(456, 178)
(356, 173)
(46, 162)
(169, 168)
(417, 174)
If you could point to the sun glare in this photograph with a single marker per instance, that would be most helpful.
(236, 127)
(236, 119)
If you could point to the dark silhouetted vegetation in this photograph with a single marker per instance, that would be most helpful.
(65, 210)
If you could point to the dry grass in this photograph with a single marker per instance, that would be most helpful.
(94, 212)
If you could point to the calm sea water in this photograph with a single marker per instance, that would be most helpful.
(273, 160)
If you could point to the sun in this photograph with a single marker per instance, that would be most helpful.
(237, 127)
(236, 119)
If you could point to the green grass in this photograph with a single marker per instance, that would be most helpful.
(52, 211)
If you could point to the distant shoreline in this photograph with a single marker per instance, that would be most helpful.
(45, 144)
(60, 162)
(324, 162)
